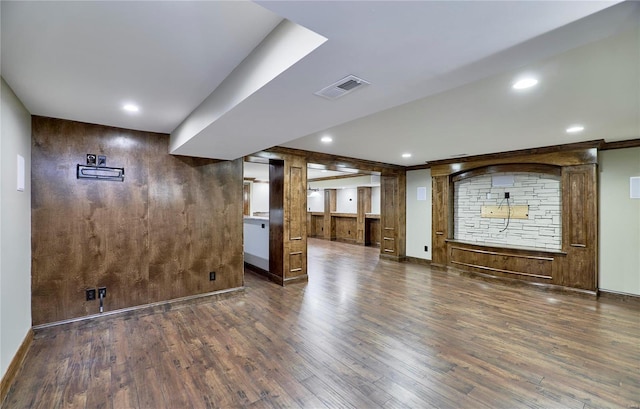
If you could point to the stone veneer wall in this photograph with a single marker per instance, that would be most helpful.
(542, 192)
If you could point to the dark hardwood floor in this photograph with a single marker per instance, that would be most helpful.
(362, 333)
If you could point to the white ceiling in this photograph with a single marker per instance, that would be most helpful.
(440, 72)
(83, 60)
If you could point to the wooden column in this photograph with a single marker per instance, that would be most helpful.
(579, 224)
(276, 220)
(393, 215)
(288, 219)
(330, 202)
(440, 219)
(364, 207)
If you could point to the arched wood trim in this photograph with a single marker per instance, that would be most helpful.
(509, 168)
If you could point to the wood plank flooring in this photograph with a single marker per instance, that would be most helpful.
(362, 333)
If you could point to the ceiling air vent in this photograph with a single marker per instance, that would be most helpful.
(342, 87)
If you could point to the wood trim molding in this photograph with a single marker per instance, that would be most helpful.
(416, 260)
(510, 168)
(333, 161)
(398, 259)
(350, 215)
(14, 367)
(631, 143)
(297, 279)
(513, 154)
(349, 176)
(575, 157)
(148, 308)
(257, 270)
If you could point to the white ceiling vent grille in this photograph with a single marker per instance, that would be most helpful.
(342, 87)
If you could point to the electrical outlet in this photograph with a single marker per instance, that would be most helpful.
(102, 292)
(212, 276)
(426, 248)
(91, 294)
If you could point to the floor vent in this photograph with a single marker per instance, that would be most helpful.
(341, 88)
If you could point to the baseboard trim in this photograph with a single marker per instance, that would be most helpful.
(15, 366)
(632, 299)
(399, 259)
(348, 241)
(260, 271)
(298, 279)
(274, 278)
(159, 306)
(416, 260)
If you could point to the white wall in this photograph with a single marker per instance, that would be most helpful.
(418, 214)
(343, 205)
(259, 197)
(347, 200)
(375, 200)
(619, 222)
(316, 203)
(256, 242)
(15, 227)
(346, 188)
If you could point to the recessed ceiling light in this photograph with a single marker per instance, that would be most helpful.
(324, 171)
(575, 129)
(131, 108)
(406, 155)
(326, 139)
(525, 83)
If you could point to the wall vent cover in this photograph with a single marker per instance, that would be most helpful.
(341, 88)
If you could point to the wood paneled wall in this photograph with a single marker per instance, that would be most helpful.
(372, 231)
(155, 236)
(575, 266)
(330, 204)
(346, 227)
(315, 224)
